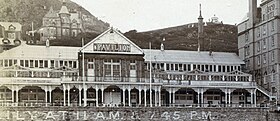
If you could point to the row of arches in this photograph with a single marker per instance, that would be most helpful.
(117, 96)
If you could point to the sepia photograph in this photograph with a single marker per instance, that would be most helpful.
(139, 60)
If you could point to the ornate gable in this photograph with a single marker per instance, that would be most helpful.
(112, 41)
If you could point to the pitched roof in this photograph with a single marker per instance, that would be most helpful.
(64, 9)
(6, 25)
(41, 52)
(203, 57)
(51, 13)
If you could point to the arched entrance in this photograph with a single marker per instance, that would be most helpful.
(74, 96)
(213, 98)
(134, 97)
(240, 97)
(57, 97)
(31, 94)
(91, 96)
(5, 94)
(112, 96)
(164, 97)
(185, 97)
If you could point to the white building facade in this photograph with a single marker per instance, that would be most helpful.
(113, 71)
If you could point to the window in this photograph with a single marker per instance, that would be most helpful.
(46, 64)
(90, 66)
(41, 63)
(52, 63)
(167, 66)
(11, 36)
(259, 60)
(247, 50)
(31, 63)
(172, 67)
(246, 37)
(10, 62)
(185, 67)
(258, 46)
(21, 62)
(26, 63)
(74, 64)
(36, 63)
(264, 44)
(264, 58)
(264, 30)
(258, 32)
(272, 56)
(272, 41)
(272, 25)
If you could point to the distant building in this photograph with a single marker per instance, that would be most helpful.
(258, 44)
(62, 23)
(10, 35)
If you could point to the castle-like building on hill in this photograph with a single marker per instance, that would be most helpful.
(64, 23)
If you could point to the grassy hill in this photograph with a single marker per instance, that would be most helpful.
(223, 38)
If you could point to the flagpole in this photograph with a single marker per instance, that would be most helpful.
(83, 75)
(150, 46)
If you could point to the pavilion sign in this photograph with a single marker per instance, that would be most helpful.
(108, 47)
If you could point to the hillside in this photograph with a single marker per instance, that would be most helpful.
(223, 38)
(28, 11)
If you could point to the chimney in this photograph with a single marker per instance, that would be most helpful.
(252, 13)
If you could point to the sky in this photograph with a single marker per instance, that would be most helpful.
(145, 15)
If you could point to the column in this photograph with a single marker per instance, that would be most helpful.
(50, 95)
(173, 96)
(129, 96)
(64, 96)
(85, 95)
(170, 92)
(145, 96)
(198, 98)
(252, 97)
(255, 98)
(202, 99)
(102, 96)
(13, 95)
(46, 96)
(156, 101)
(68, 95)
(80, 95)
(96, 96)
(159, 97)
(17, 96)
(226, 100)
(139, 97)
(124, 96)
(151, 97)
(229, 98)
